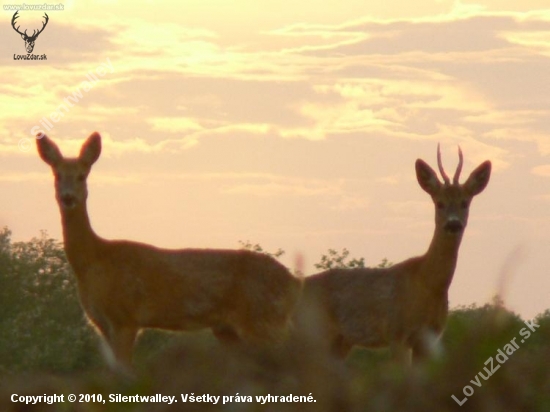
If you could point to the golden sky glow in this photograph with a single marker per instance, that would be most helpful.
(294, 124)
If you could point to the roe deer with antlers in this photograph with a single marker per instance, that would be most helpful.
(403, 306)
(125, 286)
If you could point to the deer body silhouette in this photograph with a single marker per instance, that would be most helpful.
(29, 40)
(125, 286)
(403, 306)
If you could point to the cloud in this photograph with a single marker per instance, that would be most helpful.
(174, 124)
(268, 185)
(408, 208)
(111, 147)
(390, 180)
(542, 170)
(350, 202)
(469, 74)
(24, 177)
(334, 193)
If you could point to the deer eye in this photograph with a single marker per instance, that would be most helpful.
(464, 204)
(81, 177)
(440, 205)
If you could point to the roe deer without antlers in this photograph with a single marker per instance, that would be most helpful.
(125, 286)
(403, 306)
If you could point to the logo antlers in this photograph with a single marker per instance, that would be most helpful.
(29, 40)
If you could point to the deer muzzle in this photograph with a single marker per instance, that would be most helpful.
(454, 226)
(68, 201)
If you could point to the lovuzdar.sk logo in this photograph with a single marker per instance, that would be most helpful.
(29, 40)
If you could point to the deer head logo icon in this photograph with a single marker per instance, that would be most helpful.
(29, 40)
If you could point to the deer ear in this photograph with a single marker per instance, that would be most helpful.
(478, 179)
(48, 150)
(91, 149)
(427, 178)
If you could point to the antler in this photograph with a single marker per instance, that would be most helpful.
(43, 26)
(459, 167)
(34, 33)
(440, 165)
(15, 16)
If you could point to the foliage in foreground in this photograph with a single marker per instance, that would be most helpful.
(46, 346)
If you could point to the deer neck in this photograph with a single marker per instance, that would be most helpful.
(440, 260)
(79, 239)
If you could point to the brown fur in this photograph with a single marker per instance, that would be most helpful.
(125, 286)
(404, 306)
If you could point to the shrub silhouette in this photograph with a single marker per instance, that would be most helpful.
(46, 346)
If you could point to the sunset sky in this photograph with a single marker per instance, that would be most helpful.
(292, 124)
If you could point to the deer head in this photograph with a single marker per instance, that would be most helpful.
(29, 40)
(452, 200)
(70, 174)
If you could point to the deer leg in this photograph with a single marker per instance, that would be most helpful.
(121, 342)
(426, 345)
